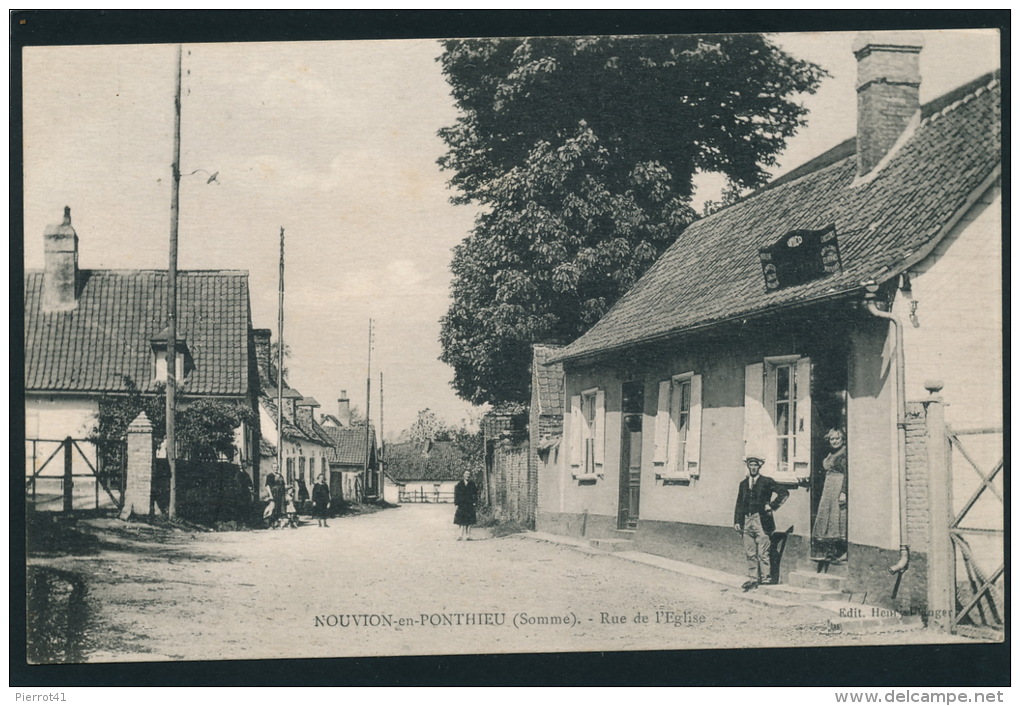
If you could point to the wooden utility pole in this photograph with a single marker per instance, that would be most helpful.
(382, 441)
(279, 373)
(368, 406)
(171, 298)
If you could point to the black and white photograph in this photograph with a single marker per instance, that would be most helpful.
(511, 345)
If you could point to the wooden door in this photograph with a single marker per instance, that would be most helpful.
(630, 455)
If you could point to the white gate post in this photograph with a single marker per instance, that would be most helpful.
(941, 571)
(138, 498)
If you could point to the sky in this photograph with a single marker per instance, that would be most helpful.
(336, 143)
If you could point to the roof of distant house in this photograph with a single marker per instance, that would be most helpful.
(428, 461)
(289, 427)
(712, 273)
(349, 444)
(109, 335)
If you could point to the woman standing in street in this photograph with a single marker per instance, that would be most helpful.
(269, 508)
(320, 500)
(465, 497)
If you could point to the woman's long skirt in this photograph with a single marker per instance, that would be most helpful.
(830, 522)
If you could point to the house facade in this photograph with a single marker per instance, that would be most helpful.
(350, 445)
(306, 447)
(91, 334)
(423, 471)
(830, 299)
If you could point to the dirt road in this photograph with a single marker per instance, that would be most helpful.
(397, 582)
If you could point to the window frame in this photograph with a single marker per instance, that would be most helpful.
(159, 365)
(672, 464)
(761, 424)
(588, 435)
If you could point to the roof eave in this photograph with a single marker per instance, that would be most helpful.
(708, 325)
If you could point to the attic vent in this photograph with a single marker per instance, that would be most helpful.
(800, 256)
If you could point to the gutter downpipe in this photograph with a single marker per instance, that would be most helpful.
(901, 425)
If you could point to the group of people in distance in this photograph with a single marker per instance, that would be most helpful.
(282, 501)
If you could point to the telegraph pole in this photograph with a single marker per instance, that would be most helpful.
(368, 406)
(382, 442)
(171, 298)
(279, 374)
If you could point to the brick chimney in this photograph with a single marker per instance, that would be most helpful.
(343, 406)
(60, 279)
(888, 81)
(262, 340)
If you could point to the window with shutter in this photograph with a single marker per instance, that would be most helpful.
(777, 416)
(588, 434)
(576, 458)
(678, 429)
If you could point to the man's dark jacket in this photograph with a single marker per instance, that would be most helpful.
(750, 501)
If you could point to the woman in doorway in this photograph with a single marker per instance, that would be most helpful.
(465, 496)
(829, 531)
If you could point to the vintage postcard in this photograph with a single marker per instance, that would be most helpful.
(512, 345)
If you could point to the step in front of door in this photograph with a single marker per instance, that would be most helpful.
(818, 582)
(611, 544)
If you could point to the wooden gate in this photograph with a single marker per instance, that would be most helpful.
(976, 529)
(53, 465)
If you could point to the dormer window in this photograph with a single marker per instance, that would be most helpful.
(799, 257)
(159, 365)
(184, 366)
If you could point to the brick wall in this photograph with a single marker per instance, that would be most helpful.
(511, 482)
(917, 478)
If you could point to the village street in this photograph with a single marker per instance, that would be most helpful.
(397, 582)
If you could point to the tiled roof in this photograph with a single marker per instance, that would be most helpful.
(289, 428)
(712, 272)
(547, 379)
(348, 444)
(109, 334)
(266, 448)
(408, 462)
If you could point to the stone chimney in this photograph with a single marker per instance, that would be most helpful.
(262, 340)
(888, 81)
(60, 280)
(343, 406)
(305, 414)
(304, 408)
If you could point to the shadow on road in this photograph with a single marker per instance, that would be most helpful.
(57, 616)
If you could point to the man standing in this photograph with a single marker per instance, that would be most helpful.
(752, 517)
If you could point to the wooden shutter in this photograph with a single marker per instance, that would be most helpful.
(694, 430)
(802, 449)
(600, 427)
(754, 411)
(576, 422)
(662, 423)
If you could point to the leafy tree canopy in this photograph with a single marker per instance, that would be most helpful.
(582, 153)
(427, 427)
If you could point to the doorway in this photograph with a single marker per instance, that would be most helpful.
(630, 455)
(830, 490)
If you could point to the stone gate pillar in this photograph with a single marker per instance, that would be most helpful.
(138, 491)
(941, 566)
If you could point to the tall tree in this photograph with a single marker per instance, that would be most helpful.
(427, 427)
(582, 153)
